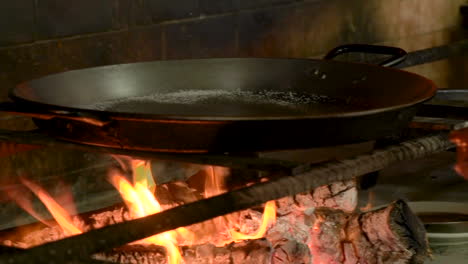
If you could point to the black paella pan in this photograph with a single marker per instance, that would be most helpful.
(226, 105)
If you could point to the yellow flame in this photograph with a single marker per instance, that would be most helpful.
(141, 202)
(57, 211)
(268, 218)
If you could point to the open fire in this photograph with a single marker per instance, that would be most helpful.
(140, 197)
(321, 226)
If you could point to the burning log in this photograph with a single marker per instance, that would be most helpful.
(292, 211)
(289, 251)
(388, 235)
(258, 251)
(36, 234)
(135, 254)
(342, 195)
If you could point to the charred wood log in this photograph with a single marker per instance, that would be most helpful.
(303, 180)
(38, 233)
(388, 235)
(247, 252)
(342, 195)
(257, 251)
(138, 253)
(290, 251)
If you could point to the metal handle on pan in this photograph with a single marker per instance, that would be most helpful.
(398, 55)
(9, 107)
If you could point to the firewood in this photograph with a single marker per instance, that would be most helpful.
(38, 233)
(388, 235)
(290, 251)
(138, 253)
(258, 251)
(342, 195)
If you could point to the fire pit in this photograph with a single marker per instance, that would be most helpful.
(323, 224)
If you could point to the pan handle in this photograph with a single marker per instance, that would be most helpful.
(398, 55)
(12, 108)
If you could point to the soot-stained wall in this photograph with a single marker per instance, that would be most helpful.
(39, 37)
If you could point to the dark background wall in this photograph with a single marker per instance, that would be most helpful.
(39, 37)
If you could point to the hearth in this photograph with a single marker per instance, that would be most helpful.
(326, 205)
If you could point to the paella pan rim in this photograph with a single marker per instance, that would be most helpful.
(175, 118)
(429, 93)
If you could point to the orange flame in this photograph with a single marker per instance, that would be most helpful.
(141, 202)
(214, 182)
(58, 212)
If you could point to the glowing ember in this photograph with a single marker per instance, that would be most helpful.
(460, 138)
(58, 212)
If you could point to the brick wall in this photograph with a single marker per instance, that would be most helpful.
(39, 37)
